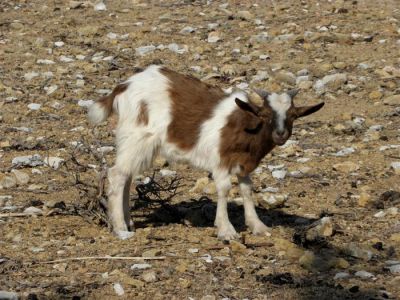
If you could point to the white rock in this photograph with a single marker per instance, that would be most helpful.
(34, 106)
(105, 149)
(395, 165)
(145, 50)
(380, 214)
(364, 274)
(45, 62)
(270, 189)
(66, 59)
(177, 49)
(341, 275)
(376, 128)
(187, 29)
(300, 79)
(166, 172)
(119, 290)
(149, 276)
(112, 35)
(395, 269)
(31, 75)
(143, 266)
(33, 210)
(193, 250)
(4, 295)
(22, 178)
(8, 182)
(50, 89)
(59, 44)
(207, 258)
(37, 249)
(212, 26)
(279, 174)
(28, 160)
(100, 6)
(213, 37)
(53, 162)
(345, 151)
(275, 167)
(85, 103)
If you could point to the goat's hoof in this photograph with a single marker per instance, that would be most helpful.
(260, 229)
(227, 233)
(124, 234)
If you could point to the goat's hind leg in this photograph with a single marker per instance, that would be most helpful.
(136, 152)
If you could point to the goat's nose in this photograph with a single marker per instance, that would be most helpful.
(280, 132)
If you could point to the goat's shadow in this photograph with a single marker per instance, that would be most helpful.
(201, 213)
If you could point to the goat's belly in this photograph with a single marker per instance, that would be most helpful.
(173, 154)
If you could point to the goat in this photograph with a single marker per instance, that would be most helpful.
(184, 119)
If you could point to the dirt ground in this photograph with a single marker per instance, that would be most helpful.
(56, 56)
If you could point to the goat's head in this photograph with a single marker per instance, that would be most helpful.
(278, 113)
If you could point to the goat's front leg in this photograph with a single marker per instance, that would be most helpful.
(118, 202)
(251, 217)
(226, 231)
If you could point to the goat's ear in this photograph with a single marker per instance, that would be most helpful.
(308, 110)
(247, 106)
(263, 94)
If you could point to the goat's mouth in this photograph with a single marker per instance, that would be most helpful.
(279, 141)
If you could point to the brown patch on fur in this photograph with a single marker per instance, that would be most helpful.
(240, 147)
(107, 101)
(143, 116)
(193, 102)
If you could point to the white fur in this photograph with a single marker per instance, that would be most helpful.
(137, 145)
(97, 113)
(280, 103)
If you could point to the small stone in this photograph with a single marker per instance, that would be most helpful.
(365, 200)
(213, 37)
(8, 295)
(245, 15)
(143, 266)
(119, 290)
(286, 77)
(245, 59)
(85, 103)
(187, 30)
(279, 174)
(59, 44)
(167, 173)
(100, 6)
(375, 95)
(149, 276)
(145, 50)
(50, 89)
(273, 201)
(177, 49)
(45, 62)
(346, 167)
(21, 177)
(396, 167)
(54, 162)
(395, 269)
(210, 188)
(392, 100)
(201, 183)
(66, 59)
(341, 275)
(364, 274)
(33, 210)
(321, 228)
(354, 250)
(30, 75)
(34, 106)
(341, 263)
(7, 182)
(237, 247)
(151, 253)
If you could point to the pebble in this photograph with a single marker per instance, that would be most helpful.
(54, 162)
(321, 228)
(396, 167)
(178, 49)
(346, 167)
(279, 174)
(59, 44)
(66, 59)
(21, 177)
(100, 6)
(380, 214)
(273, 201)
(392, 100)
(4, 295)
(213, 37)
(286, 77)
(143, 266)
(345, 151)
(50, 89)
(167, 173)
(145, 50)
(32, 210)
(341, 275)
(395, 269)
(85, 103)
(365, 200)
(149, 276)
(364, 274)
(334, 82)
(34, 106)
(245, 15)
(28, 160)
(45, 62)
(119, 290)
(7, 182)
(30, 75)
(187, 29)
(354, 250)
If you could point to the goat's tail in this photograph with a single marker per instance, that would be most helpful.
(102, 108)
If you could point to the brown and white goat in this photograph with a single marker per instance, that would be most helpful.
(184, 119)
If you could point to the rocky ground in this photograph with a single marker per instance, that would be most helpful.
(330, 195)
